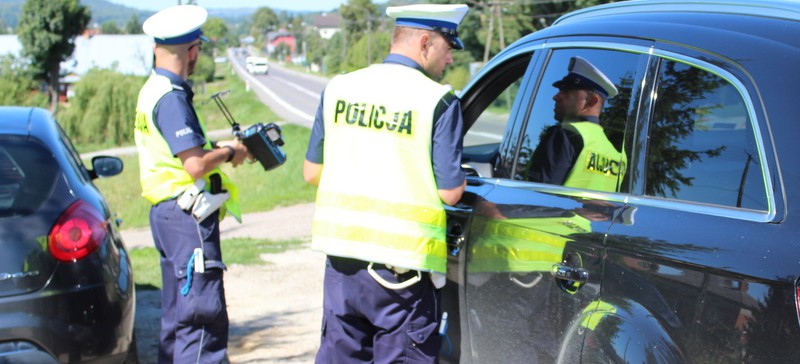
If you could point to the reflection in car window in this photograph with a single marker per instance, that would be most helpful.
(701, 143)
(619, 67)
(27, 176)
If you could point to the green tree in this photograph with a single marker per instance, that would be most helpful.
(333, 61)
(217, 32)
(203, 70)
(491, 25)
(264, 20)
(360, 17)
(17, 86)
(46, 30)
(315, 49)
(133, 26)
(357, 55)
(5, 28)
(110, 27)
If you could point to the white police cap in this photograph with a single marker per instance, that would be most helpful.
(176, 24)
(584, 75)
(441, 18)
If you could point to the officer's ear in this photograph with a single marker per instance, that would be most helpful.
(593, 99)
(425, 40)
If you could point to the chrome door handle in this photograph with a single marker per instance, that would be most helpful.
(566, 273)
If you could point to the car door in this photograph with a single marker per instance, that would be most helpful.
(701, 274)
(529, 265)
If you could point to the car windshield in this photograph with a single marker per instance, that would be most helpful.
(27, 176)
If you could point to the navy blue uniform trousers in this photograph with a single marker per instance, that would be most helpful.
(194, 327)
(364, 322)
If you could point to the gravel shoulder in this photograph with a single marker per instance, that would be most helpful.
(275, 309)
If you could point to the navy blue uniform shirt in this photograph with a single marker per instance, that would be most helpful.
(175, 116)
(446, 144)
(556, 153)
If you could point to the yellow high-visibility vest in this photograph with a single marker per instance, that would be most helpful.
(377, 199)
(161, 174)
(600, 166)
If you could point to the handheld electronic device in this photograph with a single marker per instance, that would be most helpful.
(264, 141)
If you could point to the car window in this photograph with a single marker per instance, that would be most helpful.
(492, 109)
(621, 69)
(27, 176)
(73, 157)
(490, 125)
(701, 142)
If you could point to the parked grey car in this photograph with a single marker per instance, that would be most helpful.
(66, 285)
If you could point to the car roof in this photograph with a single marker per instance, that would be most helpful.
(711, 25)
(743, 32)
(26, 121)
(788, 10)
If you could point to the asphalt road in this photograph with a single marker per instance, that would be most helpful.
(292, 95)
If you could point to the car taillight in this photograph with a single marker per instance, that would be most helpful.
(76, 233)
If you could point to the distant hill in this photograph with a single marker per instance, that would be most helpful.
(102, 11)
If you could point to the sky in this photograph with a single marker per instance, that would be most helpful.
(293, 5)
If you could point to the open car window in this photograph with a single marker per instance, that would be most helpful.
(488, 114)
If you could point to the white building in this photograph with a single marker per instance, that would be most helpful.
(327, 24)
(128, 54)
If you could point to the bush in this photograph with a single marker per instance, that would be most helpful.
(203, 70)
(456, 77)
(103, 108)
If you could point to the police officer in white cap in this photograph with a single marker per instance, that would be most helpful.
(576, 152)
(180, 176)
(389, 137)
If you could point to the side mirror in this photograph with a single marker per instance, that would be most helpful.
(105, 166)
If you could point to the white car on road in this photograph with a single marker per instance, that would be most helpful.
(257, 65)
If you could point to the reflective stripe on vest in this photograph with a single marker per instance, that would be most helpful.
(599, 165)
(161, 174)
(377, 200)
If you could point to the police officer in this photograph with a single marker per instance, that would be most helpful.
(389, 137)
(180, 176)
(576, 152)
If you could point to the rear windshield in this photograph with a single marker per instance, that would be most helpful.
(27, 175)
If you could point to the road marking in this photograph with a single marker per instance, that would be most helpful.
(301, 89)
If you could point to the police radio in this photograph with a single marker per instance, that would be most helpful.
(263, 141)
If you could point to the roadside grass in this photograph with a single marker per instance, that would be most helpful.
(244, 251)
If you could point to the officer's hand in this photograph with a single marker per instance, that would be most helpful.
(240, 151)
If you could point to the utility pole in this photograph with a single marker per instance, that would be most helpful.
(495, 10)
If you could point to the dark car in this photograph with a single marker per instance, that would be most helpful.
(694, 257)
(66, 288)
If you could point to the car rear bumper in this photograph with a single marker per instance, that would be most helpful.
(88, 323)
